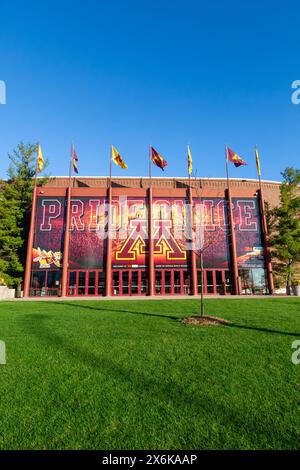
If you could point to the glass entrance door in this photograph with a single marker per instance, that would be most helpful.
(45, 283)
(133, 282)
(215, 281)
(89, 282)
(171, 282)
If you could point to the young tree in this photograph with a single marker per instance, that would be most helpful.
(200, 241)
(284, 227)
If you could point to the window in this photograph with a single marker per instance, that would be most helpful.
(177, 282)
(134, 282)
(186, 280)
(219, 282)
(101, 283)
(81, 282)
(116, 283)
(125, 282)
(92, 281)
(158, 282)
(209, 282)
(167, 282)
(72, 283)
(199, 281)
(38, 282)
(144, 283)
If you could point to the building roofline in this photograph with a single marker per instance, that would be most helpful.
(243, 180)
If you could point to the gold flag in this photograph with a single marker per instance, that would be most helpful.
(117, 159)
(257, 162)
(40, 159)
(190, 161)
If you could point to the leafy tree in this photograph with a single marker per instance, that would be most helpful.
(21, 174)
(16, 202)
(284, 227)
(10, 236)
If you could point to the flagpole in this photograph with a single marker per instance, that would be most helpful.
(258, 172)
(189, 175)
(193, 261)
(264, 227)
(108, 274)
(110, 166)
(65, 264)
(150, 167)
(150, 231)
(27, 274)
(70, 167)
(227, 168)
(232, 232)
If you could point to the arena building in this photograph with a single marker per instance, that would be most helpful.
(145, 236)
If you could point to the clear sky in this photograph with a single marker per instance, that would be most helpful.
(160, 72)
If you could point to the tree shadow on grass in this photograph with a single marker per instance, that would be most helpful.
(165, 389)
(116, 310)
(174, 318)
(262, 330)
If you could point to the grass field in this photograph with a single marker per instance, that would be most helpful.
(129, 375)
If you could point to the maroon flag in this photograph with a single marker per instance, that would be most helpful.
(234, 158)
(157, 159)
(74, 160)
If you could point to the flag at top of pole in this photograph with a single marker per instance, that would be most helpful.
(257, 162)
(117, 159)
(234, 158)
(190, 161)
(74, 159)
(157, 159)
(40, 159)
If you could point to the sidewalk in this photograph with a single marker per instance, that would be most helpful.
(155, 297)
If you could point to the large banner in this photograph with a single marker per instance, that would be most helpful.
(129, 233)
(87, 233)
(246, 218)
(48, 241)
(130, 248)
(248, 236)
(169, 232)
(87, 228)
(212, 213)
(172, 232)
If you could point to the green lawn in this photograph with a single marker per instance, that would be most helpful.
(129, 375)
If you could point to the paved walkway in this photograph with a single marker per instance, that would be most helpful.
(156, 297)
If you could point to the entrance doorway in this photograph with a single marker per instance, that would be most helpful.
(86, 282)
(45, 283)
(175, 281)
(215, 281)
(129, 282)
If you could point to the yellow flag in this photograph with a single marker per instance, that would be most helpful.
(117, 159)
(40, 159)
(190, 161)
(257, 162)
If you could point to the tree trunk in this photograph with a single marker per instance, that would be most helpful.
(202, 299)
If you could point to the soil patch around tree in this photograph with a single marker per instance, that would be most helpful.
(206, 320)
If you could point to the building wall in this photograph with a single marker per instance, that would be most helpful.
(128, 247)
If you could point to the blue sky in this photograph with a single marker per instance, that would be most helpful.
(161, 72)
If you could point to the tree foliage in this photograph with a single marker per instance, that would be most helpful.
(15, 209)
(284, 226)
(10, 236)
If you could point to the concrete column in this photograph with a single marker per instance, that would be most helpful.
(108, 245)
(151, 276)
(236, 284)
(64, 278)
(30, 241)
